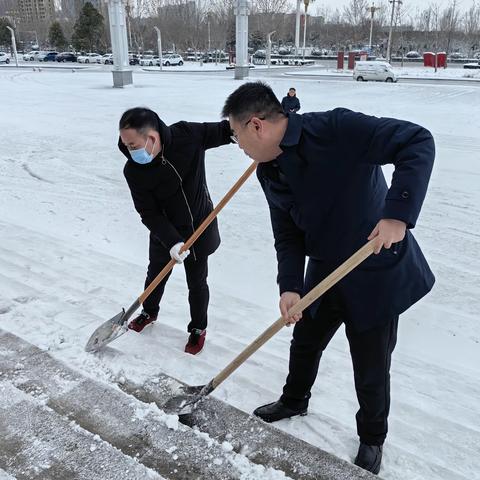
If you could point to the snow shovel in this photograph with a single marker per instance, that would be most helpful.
(185, 404)
(117, 326)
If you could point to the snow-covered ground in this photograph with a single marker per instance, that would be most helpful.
(426, 73)
(73, 252)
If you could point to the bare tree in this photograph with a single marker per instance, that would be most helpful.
(271, 6)
(355, 14)
(449, 23)
(471, 23)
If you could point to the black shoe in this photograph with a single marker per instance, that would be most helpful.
(272, 412)
(369, 457)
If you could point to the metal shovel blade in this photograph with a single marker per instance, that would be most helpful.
(107, 332)
(185, 404)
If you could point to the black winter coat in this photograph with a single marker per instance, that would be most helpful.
(326, 193)
(171, 193)
(290, 103)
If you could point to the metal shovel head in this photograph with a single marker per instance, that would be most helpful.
(185, 404)
(107, 332)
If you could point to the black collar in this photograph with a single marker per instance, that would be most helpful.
(293, 131)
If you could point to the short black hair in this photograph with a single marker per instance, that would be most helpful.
(293, 88)
(140, 119)
(252, 98)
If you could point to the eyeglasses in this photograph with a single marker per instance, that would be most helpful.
(234, 136)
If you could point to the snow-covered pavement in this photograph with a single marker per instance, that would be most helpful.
(73, 252)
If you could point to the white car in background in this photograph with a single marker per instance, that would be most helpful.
(376, 71)
(31, 56)
(107, 59)
(89, 58)
(4, 57)
(149, 60)
(172, 59)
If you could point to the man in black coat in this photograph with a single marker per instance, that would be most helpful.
(165, 171)
(291, 103)
(321, 174)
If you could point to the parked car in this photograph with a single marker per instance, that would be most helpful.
(47, 56)
(472, 66)
(89, 58)
(107, 59)
(413, 54)
(31, 56)
(149, 60)
(173, 59)
(260, 54)
(4, 57)
(66, 57)
(133, 59)
(283, 51)
(194, 56)
(376, 71)
(215, 56)
(457, 55)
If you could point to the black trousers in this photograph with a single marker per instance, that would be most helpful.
(371, 353)
(196, 271)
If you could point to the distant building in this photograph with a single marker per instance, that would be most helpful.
(34, 11)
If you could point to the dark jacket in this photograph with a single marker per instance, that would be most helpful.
(171, 193)
(290, 103)
(326, 193)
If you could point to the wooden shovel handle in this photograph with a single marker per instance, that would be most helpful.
(345, 268)
(198, 231)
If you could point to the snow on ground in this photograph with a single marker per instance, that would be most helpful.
(73, 252)
(5, 476)
(425, 73)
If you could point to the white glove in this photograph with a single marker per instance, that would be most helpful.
(176, 255)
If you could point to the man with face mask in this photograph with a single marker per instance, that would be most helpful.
(321, 174)
(165, 172)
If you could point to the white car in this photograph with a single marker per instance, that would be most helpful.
(173, 59)
(4, 57)
(376, 71)
(31, 56)
(89, 58)
(107, 59)
(149, 60)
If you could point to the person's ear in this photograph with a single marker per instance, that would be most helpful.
(257, 123)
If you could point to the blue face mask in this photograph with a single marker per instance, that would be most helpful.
(141, 155)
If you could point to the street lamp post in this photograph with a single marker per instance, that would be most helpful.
(128, 9)
(372, 9)
(389, 47)
(297, 27)
(209, 37)
(14, 44)
(159, 44)
(306, 3)
(122, 73)
(241, 36)
(269, 48)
